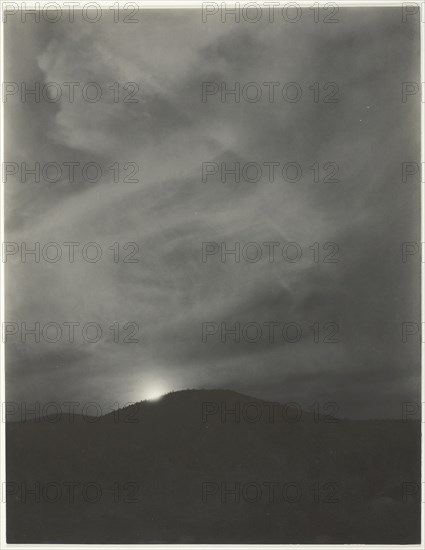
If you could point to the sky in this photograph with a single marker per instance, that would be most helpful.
(169, 132)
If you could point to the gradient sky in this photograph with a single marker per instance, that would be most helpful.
(170, 292)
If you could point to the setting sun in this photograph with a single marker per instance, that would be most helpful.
(154, 391)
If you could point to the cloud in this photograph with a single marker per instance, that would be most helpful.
(170, 292)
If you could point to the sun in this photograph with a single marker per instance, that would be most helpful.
(154, 391)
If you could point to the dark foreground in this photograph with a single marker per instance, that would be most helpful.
(180, 470)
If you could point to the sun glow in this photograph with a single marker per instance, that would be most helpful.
(154, 391)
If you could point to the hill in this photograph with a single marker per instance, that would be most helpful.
(213, 466)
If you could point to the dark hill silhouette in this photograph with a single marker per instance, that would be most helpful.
(167, 469)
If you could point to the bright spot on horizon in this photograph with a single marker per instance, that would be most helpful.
(154, 391)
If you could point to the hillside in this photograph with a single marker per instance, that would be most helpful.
(164, 472)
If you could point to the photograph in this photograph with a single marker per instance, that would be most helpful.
(211, 274)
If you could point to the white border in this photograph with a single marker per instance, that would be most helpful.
(197, 4)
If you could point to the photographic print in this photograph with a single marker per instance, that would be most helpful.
(211, 253)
